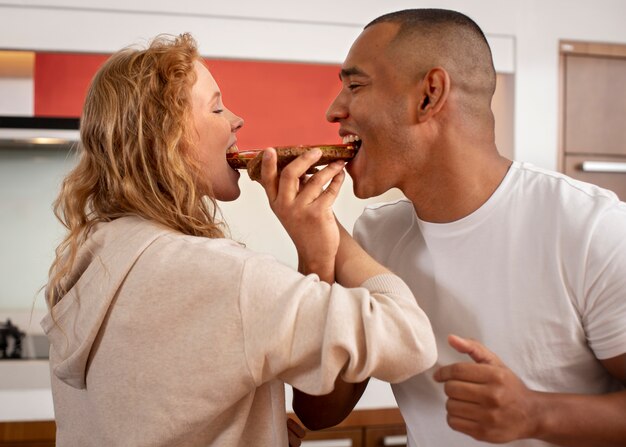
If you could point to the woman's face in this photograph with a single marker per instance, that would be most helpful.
(215, 127)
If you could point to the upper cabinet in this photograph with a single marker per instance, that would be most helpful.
(16, 82)
(593, 113)
(282, 103)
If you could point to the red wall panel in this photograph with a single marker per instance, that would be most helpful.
(61, 81)
(281, 103)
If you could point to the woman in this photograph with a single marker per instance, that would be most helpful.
(165, 332)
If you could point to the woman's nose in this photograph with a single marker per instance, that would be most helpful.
(236, 122)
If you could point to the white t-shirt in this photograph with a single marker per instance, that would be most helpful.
(537, 274)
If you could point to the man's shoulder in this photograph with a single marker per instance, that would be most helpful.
(385, 218)
(562, 184)
(400, 208)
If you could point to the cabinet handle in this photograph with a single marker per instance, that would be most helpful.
(395, 441)
(604, 166)
(328, 443)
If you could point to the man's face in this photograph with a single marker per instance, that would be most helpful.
(374, 105)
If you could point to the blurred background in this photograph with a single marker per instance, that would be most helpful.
(560, 104)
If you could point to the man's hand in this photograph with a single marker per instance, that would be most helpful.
(486, 400)
(295, 433)
(304, 207)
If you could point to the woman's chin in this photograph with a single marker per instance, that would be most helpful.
(228, 195)
(233, 197)
(227, 188)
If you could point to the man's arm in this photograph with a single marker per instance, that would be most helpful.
(318, 412)
(488, 402)
(352, 267)
(305, 210)
(586, 420)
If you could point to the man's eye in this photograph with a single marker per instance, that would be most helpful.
(353, 87)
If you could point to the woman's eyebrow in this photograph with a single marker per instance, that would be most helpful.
(215, 97)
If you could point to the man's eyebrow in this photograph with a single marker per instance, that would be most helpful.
(350, 71)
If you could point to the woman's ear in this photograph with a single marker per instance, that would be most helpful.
(434, 90)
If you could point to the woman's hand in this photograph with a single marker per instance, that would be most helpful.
(304, 207)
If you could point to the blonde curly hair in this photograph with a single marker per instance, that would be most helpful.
(136, 152)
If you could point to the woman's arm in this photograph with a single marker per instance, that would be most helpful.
(325, 248)
(304, 208)
(353, 266)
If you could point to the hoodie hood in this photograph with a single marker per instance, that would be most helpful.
(102, 263)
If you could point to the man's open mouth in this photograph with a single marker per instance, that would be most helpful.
(352, 139)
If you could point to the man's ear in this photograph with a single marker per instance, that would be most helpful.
(434, 90)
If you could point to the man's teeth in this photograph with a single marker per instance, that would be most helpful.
(351, 139)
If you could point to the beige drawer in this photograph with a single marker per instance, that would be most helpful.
(595, 105)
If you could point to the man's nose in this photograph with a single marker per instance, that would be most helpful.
(337, 110)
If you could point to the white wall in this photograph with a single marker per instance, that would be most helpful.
(29, 232)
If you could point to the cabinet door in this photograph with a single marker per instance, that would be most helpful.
(31, 434)
(595, 105)
(385, 436)
(334, 438)
(607, 172)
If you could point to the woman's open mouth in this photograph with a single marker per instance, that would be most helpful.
(232, 149)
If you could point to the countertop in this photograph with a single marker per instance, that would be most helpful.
(25, 392)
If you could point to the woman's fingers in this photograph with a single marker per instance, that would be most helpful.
(318, 188)
(269, 173)
(289, 182)
(293, 184)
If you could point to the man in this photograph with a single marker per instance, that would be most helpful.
(526, 267)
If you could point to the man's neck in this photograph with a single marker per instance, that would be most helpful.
(453, 189)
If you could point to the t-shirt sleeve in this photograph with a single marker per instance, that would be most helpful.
(604, 313)
(381, 226)
(369, 230)
(360, 229)
(306, 332)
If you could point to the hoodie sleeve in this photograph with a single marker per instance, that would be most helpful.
(307, 332)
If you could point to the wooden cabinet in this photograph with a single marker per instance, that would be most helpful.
(27, 434)
(334, 437)
(593, 114)
(362, 428)
(385, 436)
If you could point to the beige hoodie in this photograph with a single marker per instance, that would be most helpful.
(171, 340)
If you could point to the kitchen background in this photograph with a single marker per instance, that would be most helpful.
(252, 45)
